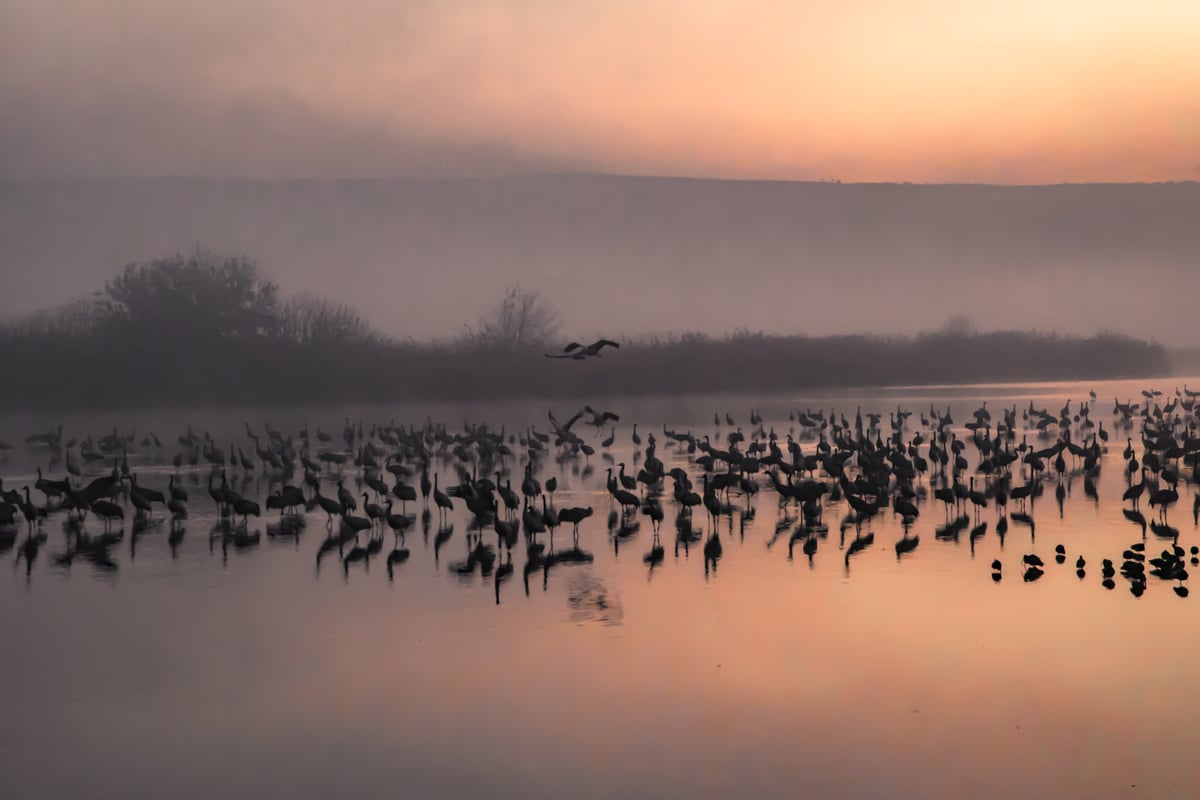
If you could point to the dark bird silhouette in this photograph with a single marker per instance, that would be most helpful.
(579, 352)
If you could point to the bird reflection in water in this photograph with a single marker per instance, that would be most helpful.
(590, 600)
(444, 532)
(285, 529)
(862, 469)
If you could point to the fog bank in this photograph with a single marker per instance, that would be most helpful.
(628, 255)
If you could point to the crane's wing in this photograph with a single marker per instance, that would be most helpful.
(606, 343)
(572, 420)
(572, 346)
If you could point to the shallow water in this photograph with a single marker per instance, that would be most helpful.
(218, 671)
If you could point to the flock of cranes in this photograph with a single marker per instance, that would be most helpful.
(822, 471)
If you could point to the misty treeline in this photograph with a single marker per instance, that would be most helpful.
(194, 300)
(202, 299)
(203, 330)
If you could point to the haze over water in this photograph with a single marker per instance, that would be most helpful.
(134, 130)
(208, 204)
(240, 672)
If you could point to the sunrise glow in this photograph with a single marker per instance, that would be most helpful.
(931, 91)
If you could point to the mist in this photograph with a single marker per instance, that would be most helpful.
(562, 398)
(413, 161)
(1015, 93)
(626, 256)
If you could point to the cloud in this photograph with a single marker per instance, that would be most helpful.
(146, 132)
(1027, 92)
(249, 89)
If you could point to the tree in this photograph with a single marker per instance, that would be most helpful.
(197, 296)
(77, 319)
(959, 326)
(315, 320)
(521, 319)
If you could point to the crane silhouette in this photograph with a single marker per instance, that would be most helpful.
(578, 352)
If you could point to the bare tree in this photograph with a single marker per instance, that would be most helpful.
(307, 319)
(959, 326)
(521, 319)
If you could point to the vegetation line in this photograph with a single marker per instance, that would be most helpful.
(206, 330)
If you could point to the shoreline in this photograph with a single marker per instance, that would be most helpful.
(812, 391)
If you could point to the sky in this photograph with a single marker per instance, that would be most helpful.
(1023, 91)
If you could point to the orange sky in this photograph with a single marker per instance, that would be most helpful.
(1024, 91)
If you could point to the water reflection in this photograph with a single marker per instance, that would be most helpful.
(973, 469)
(840, 635)
(591, 601)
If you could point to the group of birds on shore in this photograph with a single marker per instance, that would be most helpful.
(362, 481)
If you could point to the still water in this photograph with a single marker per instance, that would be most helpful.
(203, 670)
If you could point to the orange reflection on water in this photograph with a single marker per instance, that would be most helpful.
(767, 678)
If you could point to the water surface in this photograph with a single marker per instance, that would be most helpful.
(217, 671)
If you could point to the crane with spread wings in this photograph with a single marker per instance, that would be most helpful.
(562, 430)
(578, 352)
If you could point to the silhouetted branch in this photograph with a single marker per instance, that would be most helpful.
(307, 320)
(521, 319)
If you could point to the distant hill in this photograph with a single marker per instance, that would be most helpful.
(636, 255)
